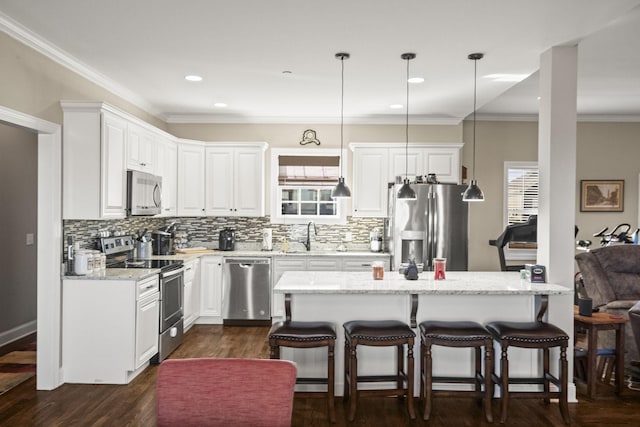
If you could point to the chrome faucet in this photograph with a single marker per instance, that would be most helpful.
(307, 244)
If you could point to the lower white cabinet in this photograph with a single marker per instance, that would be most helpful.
(109, 329)
(345, 262)
(191, 292)
(210, 290)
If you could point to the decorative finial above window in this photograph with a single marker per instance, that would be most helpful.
(308, 137)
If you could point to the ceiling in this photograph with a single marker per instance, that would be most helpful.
(274, 61)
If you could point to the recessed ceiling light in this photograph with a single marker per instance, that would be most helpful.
(396, 106)
(220, 105)
(506, 77)
(192, 78)
(416, 80)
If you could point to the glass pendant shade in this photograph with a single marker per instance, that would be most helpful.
(341, 190)
(473, 193)
(406, 192)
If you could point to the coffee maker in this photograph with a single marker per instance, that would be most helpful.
(375, 240)
(227, 239)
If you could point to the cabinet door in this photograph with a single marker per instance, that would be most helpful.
(403, 163)
(370, 172)
(219, 181)
(280, 265)
(248, 182)
(166, 166)
(140, 149)
(113, 166)
(191, 175)
(445, 163)
(191, 292)
(211, 289)
(147, 329)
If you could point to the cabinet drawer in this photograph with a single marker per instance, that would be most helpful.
(148, 287)
(324, 265)
(364, 264)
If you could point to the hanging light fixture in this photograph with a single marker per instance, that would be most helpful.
(473, 193)
(406, 192)
(341, 191)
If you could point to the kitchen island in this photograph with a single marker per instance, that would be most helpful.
(479, 296)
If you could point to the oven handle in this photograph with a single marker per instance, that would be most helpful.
(172, 273)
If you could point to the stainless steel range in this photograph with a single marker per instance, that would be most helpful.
(119, 251)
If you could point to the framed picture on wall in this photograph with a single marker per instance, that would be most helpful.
(602, 195)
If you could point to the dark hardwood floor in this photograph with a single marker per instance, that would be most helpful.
(134, 404)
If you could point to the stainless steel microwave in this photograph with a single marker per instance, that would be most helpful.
(144, 193)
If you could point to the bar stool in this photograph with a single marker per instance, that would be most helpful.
(378, 333)
(308, 335)
(535, 335)
(456, 334)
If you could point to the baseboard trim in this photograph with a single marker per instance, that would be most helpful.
(18, 332)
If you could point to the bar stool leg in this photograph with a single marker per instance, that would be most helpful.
(488, 383)
(504, 386)
(545, 370)
(564, 379)
(353, 377)
(330, 382)
(274, 352)
(347, 370)
(423, 363)
(410, 375)
(400, 367)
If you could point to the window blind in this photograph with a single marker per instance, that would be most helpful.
(522, 193)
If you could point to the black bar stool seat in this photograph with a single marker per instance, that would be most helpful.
(463, 334)
(378, 333)
(295, 334)
(536, 335)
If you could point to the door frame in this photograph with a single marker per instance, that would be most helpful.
(49, 243)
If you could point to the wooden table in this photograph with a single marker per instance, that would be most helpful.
(594, 324)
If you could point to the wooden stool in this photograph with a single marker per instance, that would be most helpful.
(308, 335)
(456, 334)
(382, 333)
(536, 335)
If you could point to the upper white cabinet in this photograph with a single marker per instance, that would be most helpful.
(94, 173)
(141, 149)
(377, 164)
(235, 179)
(166, 166)
(191, 175)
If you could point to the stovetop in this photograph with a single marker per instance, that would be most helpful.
(163, 264)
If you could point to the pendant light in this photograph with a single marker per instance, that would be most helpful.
(473, 193)
(406, 192)
(341, 191)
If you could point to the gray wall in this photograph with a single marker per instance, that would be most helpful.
(18, 216)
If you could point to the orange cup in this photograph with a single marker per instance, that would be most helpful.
(378, 271)
(439, 268)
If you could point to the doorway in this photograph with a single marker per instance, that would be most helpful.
(48, 242)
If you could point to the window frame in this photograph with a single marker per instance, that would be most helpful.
(276, 187)
(515, 254)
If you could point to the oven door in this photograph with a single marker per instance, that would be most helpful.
(171, 295)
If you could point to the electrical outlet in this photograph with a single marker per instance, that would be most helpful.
(30, 239)
(348, 236)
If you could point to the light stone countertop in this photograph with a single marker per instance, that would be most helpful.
(456, 283)
(117, 274)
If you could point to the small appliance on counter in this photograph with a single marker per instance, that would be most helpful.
(227, 239)
(267, 239)
(375, 240)
(162, 241)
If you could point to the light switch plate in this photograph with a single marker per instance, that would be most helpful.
(30, 239)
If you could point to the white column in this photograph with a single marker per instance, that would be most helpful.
(557, 163)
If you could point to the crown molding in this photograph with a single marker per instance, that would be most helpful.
(40, 45)
(582, 118)
(368, 120)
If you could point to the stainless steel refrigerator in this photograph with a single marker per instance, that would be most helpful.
(432, 226)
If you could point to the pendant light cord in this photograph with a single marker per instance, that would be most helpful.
(341, 112)
(406, 130)
(475, 82)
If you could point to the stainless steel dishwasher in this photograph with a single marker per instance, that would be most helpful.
(246, 297)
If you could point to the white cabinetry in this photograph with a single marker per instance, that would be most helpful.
(166, 166)
(345, 262)
(211, 290)
(191, 176)
(191, 292)
(109, 329)
(94, 173)
(377, 164)
(235, 179)
(140, 149)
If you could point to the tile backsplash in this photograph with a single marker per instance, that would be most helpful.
(203, 231)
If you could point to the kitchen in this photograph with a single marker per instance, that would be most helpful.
(512, 139)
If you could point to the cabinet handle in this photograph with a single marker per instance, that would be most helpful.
(366, 265)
